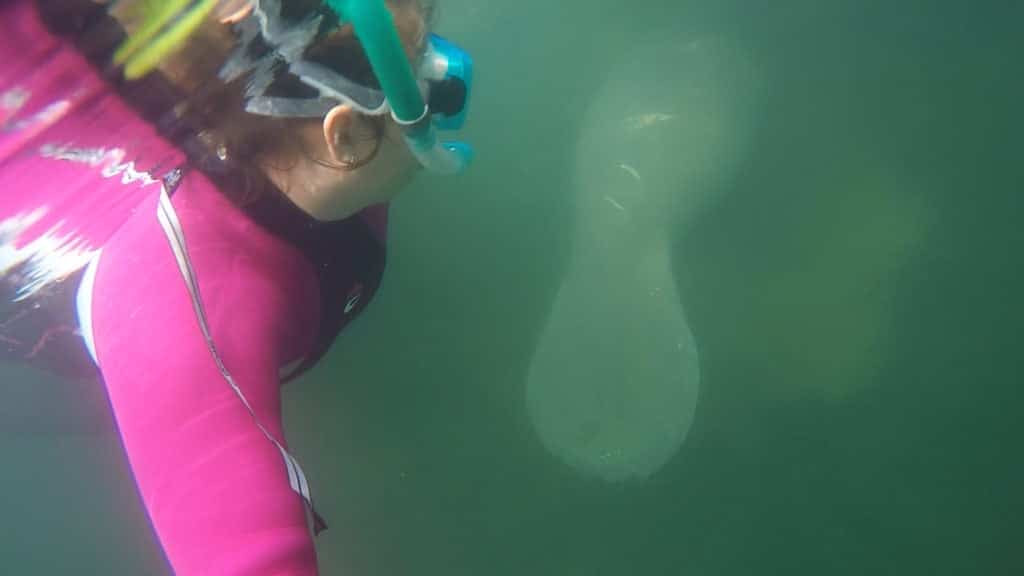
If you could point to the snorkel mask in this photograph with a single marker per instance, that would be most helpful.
(434, 97)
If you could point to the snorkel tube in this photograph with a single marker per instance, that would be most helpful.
(375, 29)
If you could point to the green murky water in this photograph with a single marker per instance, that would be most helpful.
(733, 288)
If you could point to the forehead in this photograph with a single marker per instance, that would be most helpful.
(411, 24)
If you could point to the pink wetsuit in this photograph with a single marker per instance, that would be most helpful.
(81, 174)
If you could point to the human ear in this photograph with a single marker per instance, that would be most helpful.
(338, 128)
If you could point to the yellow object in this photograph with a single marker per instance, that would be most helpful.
(166, 24)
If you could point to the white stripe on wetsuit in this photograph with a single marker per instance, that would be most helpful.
(83, 302)
(176, 237)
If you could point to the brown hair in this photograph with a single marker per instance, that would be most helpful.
(245, 144)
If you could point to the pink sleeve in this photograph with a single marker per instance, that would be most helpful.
(215, 488)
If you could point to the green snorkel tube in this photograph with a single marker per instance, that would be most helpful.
(376, 31)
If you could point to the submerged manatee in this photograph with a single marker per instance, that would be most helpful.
(613, 385)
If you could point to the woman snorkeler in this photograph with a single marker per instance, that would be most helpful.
(193, 204)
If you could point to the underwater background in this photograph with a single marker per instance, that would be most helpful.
(732, 288)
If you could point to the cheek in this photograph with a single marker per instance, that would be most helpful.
(387, 174)
(399, 165)
(400, 177)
